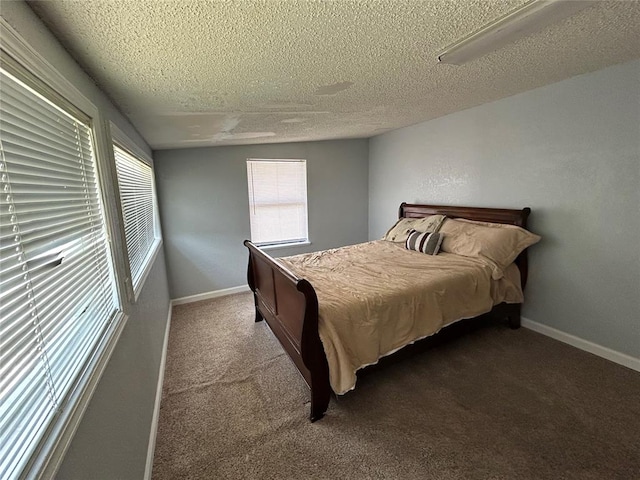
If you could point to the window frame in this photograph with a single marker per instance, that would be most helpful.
(43, 77)
(122, 141)
(272, 245)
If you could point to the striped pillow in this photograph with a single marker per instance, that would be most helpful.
(427, 242)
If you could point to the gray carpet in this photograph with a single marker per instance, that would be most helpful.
(492, 403)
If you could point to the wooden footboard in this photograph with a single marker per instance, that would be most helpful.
(290, 307)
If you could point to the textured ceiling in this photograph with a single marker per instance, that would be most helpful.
(196, 73)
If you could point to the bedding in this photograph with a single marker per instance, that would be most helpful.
(376, 297)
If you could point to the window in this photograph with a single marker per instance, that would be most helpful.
(277, 201)
(58, 299)
(137, 199)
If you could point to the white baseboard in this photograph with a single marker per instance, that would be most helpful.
(156, 408)
(209, 295)
(604, 352)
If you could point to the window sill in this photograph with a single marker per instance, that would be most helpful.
(283, 245)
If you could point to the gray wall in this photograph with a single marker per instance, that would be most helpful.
(571, 151)
(205, 207)
(112, 439)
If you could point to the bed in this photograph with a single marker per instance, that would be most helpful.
(340, 310)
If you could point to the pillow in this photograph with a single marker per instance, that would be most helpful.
(432, 223)
(425, 242)
(400, 231)
(498, 243)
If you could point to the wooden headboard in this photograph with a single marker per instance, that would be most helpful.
(494, 215)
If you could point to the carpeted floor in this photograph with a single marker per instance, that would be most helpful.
(492, 403)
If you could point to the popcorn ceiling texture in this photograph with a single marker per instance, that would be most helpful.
(199, 73)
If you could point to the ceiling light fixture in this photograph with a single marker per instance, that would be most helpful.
(525, 20)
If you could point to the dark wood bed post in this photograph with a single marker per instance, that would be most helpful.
(252, 285)
(313, 354)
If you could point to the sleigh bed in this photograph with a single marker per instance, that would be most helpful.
(322, 336)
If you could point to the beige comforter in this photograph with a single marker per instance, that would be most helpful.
(376, 297)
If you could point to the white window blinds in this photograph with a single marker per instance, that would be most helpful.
(277, 201)
(57, 289)
(135, 182)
